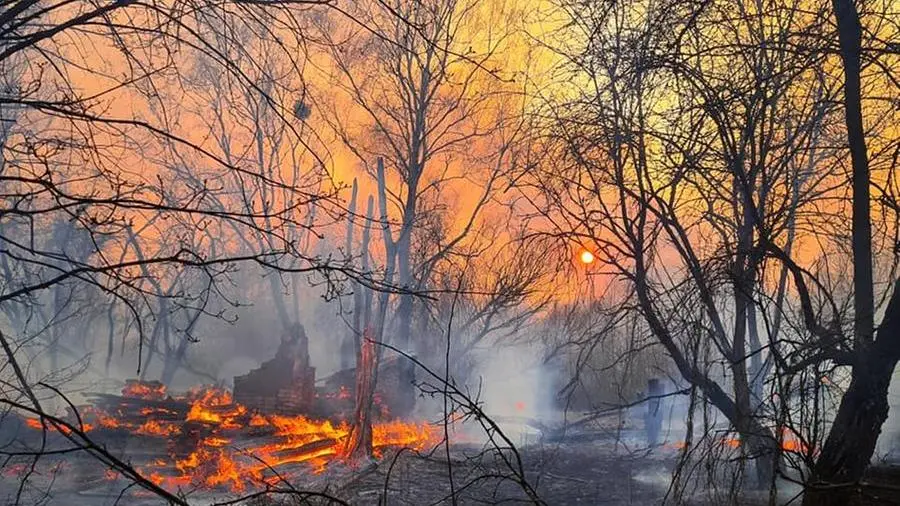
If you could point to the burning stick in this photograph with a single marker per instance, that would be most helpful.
(359, 442)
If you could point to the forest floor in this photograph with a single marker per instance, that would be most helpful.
(610, 467)
(570, 473)
(591, 470)
(564, 473)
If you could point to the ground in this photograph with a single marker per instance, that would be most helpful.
(561, 474)
(593, 467)
(569, 473)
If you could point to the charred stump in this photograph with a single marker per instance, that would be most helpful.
(359, 442)
(283, 385)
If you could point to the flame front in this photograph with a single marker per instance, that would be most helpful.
(228, 447)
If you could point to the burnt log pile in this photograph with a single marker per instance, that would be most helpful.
(210, 438)
(284, 385)
(133, 410)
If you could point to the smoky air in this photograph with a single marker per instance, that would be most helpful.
(449, 252)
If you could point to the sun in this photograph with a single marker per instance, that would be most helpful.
(586, 257)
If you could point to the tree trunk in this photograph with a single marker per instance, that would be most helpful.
(863, 410)
(55, 334)
(278, 298)
(348, 343)
(864, 406)
(111, 334)
(757, 440)
(757, 369)
(359, 442)
(406, 395)
(390, 257)
(172, 363)
(162, 326)
(851, 441)
(363, 299)
(850, 39)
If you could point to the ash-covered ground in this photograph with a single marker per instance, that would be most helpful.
(606, 462)
(564, 473)
(602, 463)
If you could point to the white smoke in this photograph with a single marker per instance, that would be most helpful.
(516, 389)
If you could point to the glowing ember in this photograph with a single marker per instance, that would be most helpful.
(144, 390)
(156, 411)
(216, 441)
(34, 423)
(791, 445)
(732, 442)
(156, 428)
(790, 442)
(108, 421)
(679, 445)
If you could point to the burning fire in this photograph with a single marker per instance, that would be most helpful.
(144, 390)
(217, 462)
(34, 423)
(216, 406)
(790, 442)
(216, 443)
(156, 428)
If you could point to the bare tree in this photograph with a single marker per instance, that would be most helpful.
(674, 158)
(83, 169)
(864, 406)
(417, 74)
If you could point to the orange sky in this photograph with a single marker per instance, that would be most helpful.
(189, 111)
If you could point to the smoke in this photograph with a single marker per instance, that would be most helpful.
(219, 348)
(516, 388)
(227, 349)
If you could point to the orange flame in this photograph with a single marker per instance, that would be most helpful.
(155, 428)
(216, 407)
(143, 390)
(790, 442)
(217, 463)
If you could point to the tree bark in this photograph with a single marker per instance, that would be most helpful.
(850, 39)
(390, 258)
(406, 395)
(366, 303)
(359, 441)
